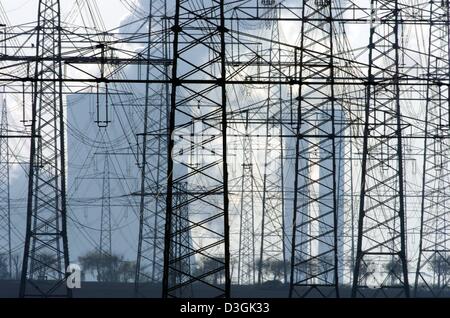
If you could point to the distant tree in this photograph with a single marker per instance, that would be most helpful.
(102, 266)
(108, 268)
(207, 265)
(127, 271)
(264, 268)
(440, 265)
(14, 272)
(365, 270)
(4, 272)
(17, 266)
(395, 270)
(274, 268)
(277, 268)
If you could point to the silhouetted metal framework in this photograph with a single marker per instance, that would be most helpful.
(201, 85)
(5, 200)
(381, 223)
(46, 253)
(181, 268)
(105, 217)
(149, 264)
(190, 65)
(314, 251)
(272, 249)
(247, 243)
(434, 248)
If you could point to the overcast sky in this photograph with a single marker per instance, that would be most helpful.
(25, 12)
(22, 11)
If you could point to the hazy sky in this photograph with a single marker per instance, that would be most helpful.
(113, 12)
(22, 11)
(25, 12)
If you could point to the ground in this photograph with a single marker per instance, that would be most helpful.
(10, 289)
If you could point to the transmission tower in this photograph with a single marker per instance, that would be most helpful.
(201, 85)
(149, 264)
(272, 227)
(381, 223)
(46, 253)
(354, 114)
(5, 200)
(314, 244)
(105, 227)
(246, 259)
(181, 268)
(434, 248)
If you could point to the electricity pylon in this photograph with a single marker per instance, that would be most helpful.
(46, 252)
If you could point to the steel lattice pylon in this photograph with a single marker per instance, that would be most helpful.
(246, 258)
(272, 249)
(46, 254)
(314, 244)
(381, 223)
(5, 200)
(105, 217)
(434, 248)
(181, 268)
(200, 85)
(149, 264)
(338, 124)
